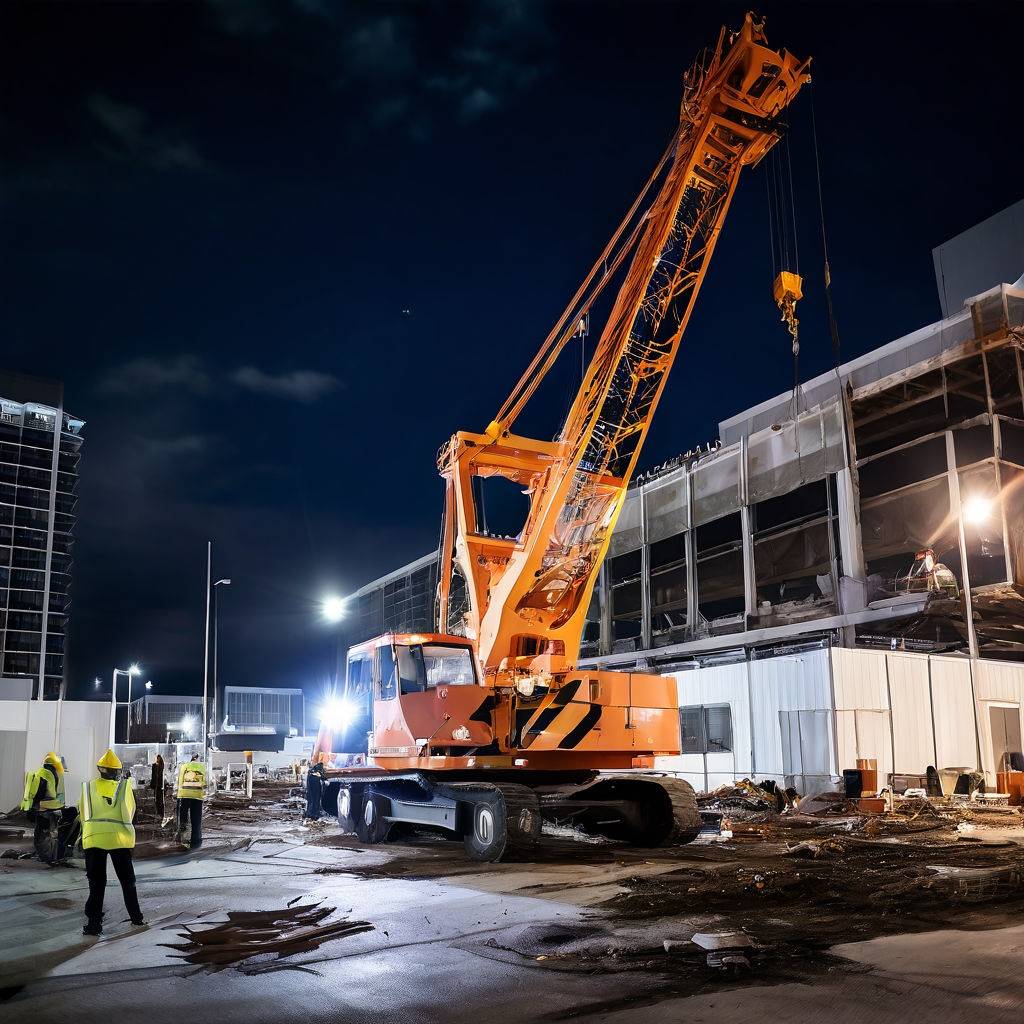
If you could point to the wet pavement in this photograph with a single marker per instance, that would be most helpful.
(580, 933)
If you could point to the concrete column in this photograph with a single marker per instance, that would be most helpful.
(957, 513)
(747, 533)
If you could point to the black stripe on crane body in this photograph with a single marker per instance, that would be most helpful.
(589, 720)
(547, 715)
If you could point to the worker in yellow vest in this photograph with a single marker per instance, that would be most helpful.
(107, 813)
(43, 802)
(190, 791)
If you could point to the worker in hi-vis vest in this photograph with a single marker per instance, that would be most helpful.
(43, 803)
(190, 791)
(107, 813)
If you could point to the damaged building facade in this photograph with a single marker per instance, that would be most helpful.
(834, 575)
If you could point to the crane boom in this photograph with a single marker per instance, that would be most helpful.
(527, 596)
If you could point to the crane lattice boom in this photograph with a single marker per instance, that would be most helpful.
(527, 596)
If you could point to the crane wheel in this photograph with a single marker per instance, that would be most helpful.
(371, 823)
(503, 822)
(349, 805)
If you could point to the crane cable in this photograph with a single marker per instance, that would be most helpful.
(832, 325)
(787, 287)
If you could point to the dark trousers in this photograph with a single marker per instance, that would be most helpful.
(53, 832)
(314, 794)
(96, 872)
(191, 811)
(159, 794)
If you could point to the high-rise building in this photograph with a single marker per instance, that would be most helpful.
(40, 445)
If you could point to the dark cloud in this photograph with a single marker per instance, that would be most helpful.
(183, 372)
(128, 134)
(172, 447)
(188, 375)
(412, 64)
(300, 385)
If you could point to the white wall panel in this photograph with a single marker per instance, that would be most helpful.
(83, 736)
(860, 680)
(910, 700)
(953, 713)
(797, 682)
(716, 684)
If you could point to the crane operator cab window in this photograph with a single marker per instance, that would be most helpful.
(424, 666)
(358, 702)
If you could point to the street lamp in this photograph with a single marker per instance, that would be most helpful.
(132, 670)
(219, 583)
(333, 608)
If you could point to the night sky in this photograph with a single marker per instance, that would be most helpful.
(279, 252)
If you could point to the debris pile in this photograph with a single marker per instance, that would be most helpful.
(753, 801)
(257, 941)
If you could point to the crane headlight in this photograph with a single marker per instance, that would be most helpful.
(526, 686)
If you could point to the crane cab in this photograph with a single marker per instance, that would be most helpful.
(409, 700)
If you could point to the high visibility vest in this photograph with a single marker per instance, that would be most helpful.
(53, 794)
(54, 799)
(106, 815)
(191, 781)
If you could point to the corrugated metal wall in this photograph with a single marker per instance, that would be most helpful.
(801, 719)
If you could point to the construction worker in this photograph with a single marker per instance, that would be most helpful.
(43, 802)
(190, 791)
(107, 813)
(156, 783)
(314, 791)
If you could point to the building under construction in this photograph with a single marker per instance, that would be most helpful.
(881, 509)
(887, 512)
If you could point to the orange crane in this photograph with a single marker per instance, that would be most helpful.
(486, 727)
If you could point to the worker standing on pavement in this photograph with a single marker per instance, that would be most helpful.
(156, 783)
(314, 791)
(190, 791)
(108, 812)
(43, 802)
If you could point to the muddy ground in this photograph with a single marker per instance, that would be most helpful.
(792, 890)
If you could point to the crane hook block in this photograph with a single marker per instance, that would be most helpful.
(788, 289)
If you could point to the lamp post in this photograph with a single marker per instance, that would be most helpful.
(132, 670)
(219, 583)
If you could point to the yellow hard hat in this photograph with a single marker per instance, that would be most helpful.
(54, 760)
(109, 760)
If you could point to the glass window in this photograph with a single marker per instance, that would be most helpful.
(691, 730)
(705, 729)
(388, 673)
(360, 672)
(448, 666)
(412, 674)
(718, 728)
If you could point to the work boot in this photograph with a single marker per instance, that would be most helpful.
(92, 928)
(139, 922)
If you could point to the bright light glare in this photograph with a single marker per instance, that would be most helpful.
(977, 509)
(149, 684)
(336, 713)
(134, 669)
(333, 608)
(188, 725)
